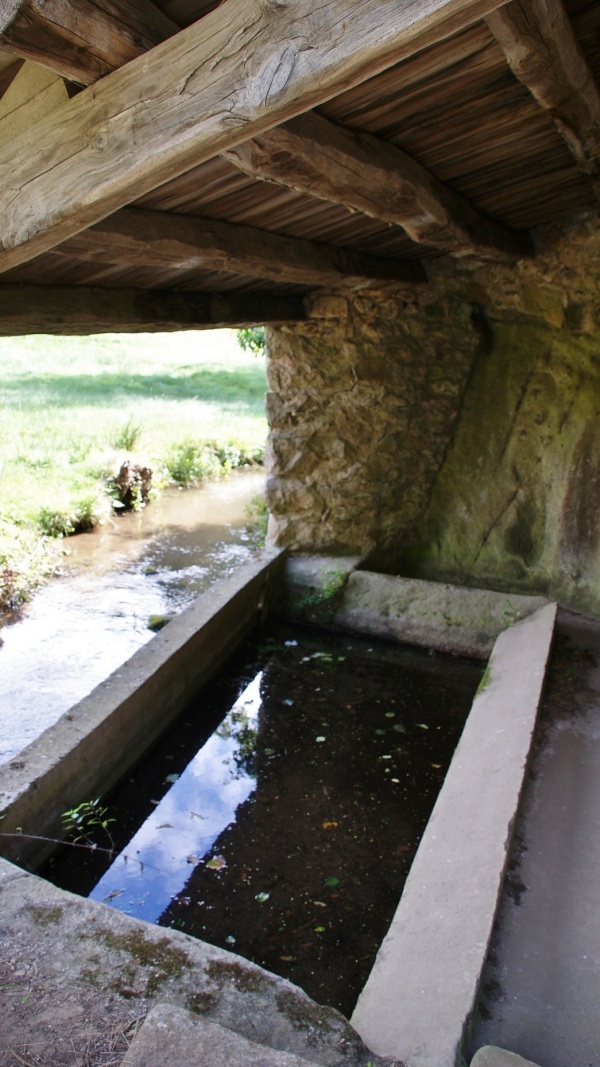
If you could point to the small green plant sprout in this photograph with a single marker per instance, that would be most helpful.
(85, 821)
(511, 613)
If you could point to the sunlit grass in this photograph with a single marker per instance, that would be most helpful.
(71, 407)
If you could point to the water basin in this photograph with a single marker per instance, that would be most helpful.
(280, 817)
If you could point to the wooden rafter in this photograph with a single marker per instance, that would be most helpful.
(79, 310)
(541, 47)
(232, 75)
(314, 156)
(154, 239)
(82, 40)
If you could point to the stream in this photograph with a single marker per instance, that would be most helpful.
(80, 628)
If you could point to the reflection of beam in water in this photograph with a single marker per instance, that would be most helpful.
(189, 818)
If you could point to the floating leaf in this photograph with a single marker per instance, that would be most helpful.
(386, 757)
(321, 738)
(319, 904)
(329, 825)
(217, 863)
(230, 939)
(400, 727)
(111, 896)
(390, 714)
(380, 732)
(331, 882)
(436, 765)
(320, 929)
(194, 859)
(423, 725)
(288, 702)
(172, 778)
(261, 897)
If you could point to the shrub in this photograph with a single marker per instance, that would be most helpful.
(253, 340)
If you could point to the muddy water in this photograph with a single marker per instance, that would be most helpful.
(286, 833)
(80, 628)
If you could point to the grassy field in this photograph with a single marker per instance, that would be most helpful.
(188, 405)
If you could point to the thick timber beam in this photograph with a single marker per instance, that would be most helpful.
(78, 310)
(539, 43)
(315, 156)
(154, 239)
(82, 40)
(240, 70)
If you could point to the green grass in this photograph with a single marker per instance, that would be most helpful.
(190, 405)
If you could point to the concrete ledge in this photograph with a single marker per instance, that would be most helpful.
(419, 999)
(73, 969)
(430, 614)
(93, 745)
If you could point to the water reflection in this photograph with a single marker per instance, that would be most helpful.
(79, 629)
(182, 829)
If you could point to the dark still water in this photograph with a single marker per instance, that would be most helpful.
(280, 818)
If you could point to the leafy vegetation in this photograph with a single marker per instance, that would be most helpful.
(253, 340)
(190, 406)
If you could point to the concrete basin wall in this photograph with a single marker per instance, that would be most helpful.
(420, 997)
(93, 745)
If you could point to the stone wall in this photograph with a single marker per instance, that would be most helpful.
(454, 433)
(361, 404)
(516, 504)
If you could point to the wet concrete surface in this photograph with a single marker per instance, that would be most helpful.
(541, 987)
(80, 628)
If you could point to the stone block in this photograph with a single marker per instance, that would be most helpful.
(490, 1056)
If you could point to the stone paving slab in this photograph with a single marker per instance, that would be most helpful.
(73, 971)
(173, 1037)
(490, 1056)
(419, 999)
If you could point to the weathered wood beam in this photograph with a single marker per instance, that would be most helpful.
(315, 156)
(540, 45)
(240, 70)
(82, 40)
(78, 310)
(154, 239)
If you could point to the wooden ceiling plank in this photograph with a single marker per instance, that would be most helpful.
(80, 310)
(542, 50)
(82, 40)
(134, 237)
(237, 72)
(313, 155)
(8, 72)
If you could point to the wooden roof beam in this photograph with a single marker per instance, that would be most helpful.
(540, 45)
(237, 72)
(79, 310)
(315, 156)
(154, 239)
(82, 40)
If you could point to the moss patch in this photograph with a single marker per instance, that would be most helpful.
(246, 979)
(160, 958)
(46, 914)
